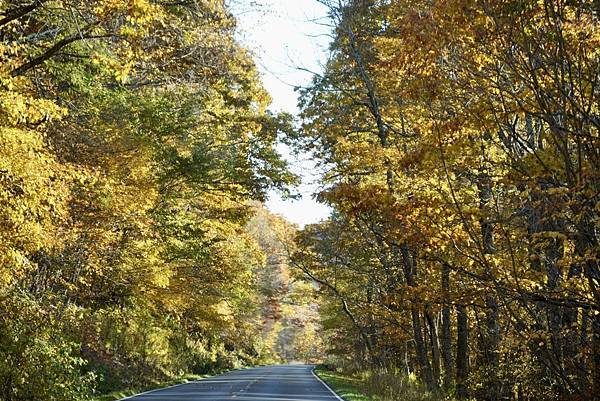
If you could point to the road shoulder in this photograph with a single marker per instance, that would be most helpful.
(344, 387)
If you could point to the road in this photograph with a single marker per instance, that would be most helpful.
(268, 383)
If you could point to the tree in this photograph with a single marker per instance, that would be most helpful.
(134, 135)
(456, 138)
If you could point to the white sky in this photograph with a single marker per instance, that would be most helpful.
(284, 35)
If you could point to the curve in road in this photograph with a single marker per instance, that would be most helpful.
(268, 383)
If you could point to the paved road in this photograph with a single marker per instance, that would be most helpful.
(269, 383)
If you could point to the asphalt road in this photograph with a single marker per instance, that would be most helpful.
(268, 383)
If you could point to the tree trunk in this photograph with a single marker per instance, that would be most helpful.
(587, 247)
(492, 343)
(596, 356)
(462, 352)
(422, 360)
(410, 271)
(445, 338)
(435, 347)
(492, 335)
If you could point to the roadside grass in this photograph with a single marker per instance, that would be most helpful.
(345, 386)
(370, 386)
(117, 395)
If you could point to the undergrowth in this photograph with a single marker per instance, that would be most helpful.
(376, 386)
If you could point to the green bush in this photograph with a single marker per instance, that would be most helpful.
(38, 361)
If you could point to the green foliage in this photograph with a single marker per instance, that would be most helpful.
(38, 354)
(133, 136)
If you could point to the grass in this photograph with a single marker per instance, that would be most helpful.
(117, 395)
(372, 386)
(345, 386)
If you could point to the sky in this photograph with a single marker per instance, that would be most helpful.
(284, 36)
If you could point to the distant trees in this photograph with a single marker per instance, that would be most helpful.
(461, 141)
(289, 315)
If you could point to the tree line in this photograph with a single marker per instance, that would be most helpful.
(460, 141)
(133, 137)
(461, 146)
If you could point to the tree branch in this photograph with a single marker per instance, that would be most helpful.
(34, 62)
(17, 13)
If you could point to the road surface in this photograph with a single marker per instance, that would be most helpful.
(268, 383)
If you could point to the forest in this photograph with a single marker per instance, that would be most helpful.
(460, 145)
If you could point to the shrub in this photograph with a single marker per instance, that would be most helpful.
(38, 361)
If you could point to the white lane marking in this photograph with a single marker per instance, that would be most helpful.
(206, 379)
(156, 389)
(233, 395)
(326, 385)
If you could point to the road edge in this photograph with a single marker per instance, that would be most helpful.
(176, 385)
(156, 389)
(210, 376)
(325, 384)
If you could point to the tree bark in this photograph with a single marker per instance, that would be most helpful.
(492, 334)
(420, 349)
(422, 360)
(492, 343)
(435, 347)
(16, 13)
(446, 338)
(596, 356)
(462, 352)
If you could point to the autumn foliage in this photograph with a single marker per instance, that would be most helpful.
(133, 134)
(460, 140)
(461, 143)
